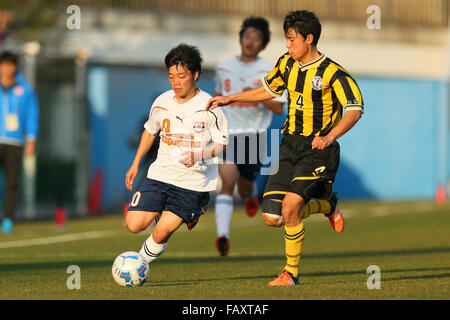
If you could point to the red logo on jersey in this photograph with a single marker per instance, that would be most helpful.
(199, 126)
(180, 140)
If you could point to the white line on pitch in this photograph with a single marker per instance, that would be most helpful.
(57, 239)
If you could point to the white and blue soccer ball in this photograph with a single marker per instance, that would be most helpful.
(130, 269)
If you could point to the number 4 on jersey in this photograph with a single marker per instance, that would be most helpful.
(300, 102)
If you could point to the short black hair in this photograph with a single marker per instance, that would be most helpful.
(186, 55)
(9, 57)
(303, 22)
(258, 23)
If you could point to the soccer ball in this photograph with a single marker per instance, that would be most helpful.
(130, 269)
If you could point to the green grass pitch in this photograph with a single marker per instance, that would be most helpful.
(409, 242)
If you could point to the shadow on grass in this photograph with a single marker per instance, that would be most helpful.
(383, 271)
(62, 265)
(387, 274)
(421, 277)
(359, 254)
(192, 282)
(263, 257)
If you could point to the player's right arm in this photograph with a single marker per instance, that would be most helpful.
(146, 143)
(255, 95)
(152, 127)
(274, 86)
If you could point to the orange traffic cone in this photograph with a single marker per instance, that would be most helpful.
(60, 218)
(441, 196)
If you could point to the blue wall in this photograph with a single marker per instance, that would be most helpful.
(398, 150)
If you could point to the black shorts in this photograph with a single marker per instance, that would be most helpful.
(244, 150)
(307, 172)
(158, 196)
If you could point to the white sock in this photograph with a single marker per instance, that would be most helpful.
(154, 222)
(223, 211)
(152, 250)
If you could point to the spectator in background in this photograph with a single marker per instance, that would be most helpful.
(248, 123)
(19, 115)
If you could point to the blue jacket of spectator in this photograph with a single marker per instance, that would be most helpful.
(19, 113)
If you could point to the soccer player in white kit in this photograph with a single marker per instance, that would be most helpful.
(247, 121)
(178, 183)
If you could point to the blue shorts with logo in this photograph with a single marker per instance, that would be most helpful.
(158, 196)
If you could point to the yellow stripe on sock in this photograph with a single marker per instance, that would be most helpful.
(293, 245)
(316, 206)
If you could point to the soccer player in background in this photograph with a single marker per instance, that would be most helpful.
(178, 182)
(247, 122)
(318, 90)
(19, 126)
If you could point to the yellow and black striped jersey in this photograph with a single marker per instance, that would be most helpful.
(317, 93)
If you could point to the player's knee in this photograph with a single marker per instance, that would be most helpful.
(272, 212)
(273, 220)
(133, 225)
(290, 211)
(228, 183)
(245, 187)
(227, 187)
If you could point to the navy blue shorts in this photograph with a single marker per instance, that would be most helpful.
(244, 152)
(158, 196)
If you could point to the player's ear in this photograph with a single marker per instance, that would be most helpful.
(195, 75)
(309, 39)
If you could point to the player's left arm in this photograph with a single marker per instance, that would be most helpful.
(347, 122)
(189, 158)
(349, 96)
(217, 125)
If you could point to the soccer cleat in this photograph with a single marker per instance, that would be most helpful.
(336, 218)
(285, 279)
(223, 245)
(7, 226)
(251, 206)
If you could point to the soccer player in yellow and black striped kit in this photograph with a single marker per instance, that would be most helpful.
(319, 89)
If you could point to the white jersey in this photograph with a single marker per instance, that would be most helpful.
(234, 76)
(185, 127)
